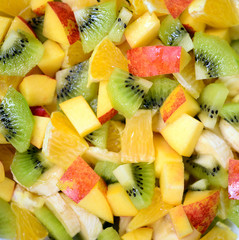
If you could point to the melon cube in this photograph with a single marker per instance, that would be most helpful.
(2, 172)
(5, 23)
(7, 187)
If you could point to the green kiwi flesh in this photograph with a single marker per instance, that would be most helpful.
(235, 45)
(27, 167)
(93, 104)
(211, 100)
(99, 137)
(105, 170)
(52, 224)
(199, 185)
(19, 53)
(72, 82)
(206, 167)
(230, 113)
(37, 25)
(233, 212)
(109, 234)
(138, 179)
(214, 57)
(16, 120)
(8, 226)
(127, 92)
(120, 24)
(157, 94)
(173, 33)
(95, 23)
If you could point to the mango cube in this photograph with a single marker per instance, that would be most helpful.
(143, 30)
(52, 58)
(183, 134)
(38, 90)
(38, 6)
(5, 23)
(2, 172)
(139, 234)
(81, 115)
(172, 183)
(7, 187)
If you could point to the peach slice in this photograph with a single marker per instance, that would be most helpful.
(176, 7)
(39, 111)
(39, 6)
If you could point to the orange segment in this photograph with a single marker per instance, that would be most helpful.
(28, 226)
(105, 57)
(13, 7)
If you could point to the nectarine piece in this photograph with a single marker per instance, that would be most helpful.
(39, 111)
(39, 6)
(233, 179)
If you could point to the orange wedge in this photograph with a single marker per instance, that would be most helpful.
(13, 7)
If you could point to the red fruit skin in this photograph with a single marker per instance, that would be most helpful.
(233, 179)
(78, 180)
(107, 116)
(202, 213)
(39, 111)
(176, 7)
(29, 26)
(154, 60)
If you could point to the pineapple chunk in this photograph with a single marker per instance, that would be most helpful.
(2, 172)
(139, 234)
(183, 134)
(7, 187)
(222, 33)
(5, 23)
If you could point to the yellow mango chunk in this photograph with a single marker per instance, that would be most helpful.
(5, 23)
(139, 234)
(52, 58)
(7, 188)
(172, 183)
(119, 201)
(222, 33)
(80, 115)
(197, 196)
(183, 134)
(2, 172)
(143, 30)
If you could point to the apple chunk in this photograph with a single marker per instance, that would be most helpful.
(154, 60)
(233, 179)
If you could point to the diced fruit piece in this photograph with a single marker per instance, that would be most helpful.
(5, 23)
(176, 7)
(60, 24)
(156, 6)
(16, 120)
(108, 234)
(8, 227)
(172, 183)
(38, 89)
(78, 180)
(156, 210)
(126, 92)
(52, 58)
(137, 139)
(154, 60)
(233, 180)
(199, 185)
(24, 53)
(231, 82)
(36, 24)
(52, 224)
(183, 134)
(39, 111)
(12, 7)
(62, 144)
(207, 167)
(177, 103)
(123, 223)
(139, 234)
(105, 110)
(143, 30)
(39, 6)
(104, 59)
(163, 154)
(2, 172)
(119, 201)
(222, 33)
(214, 57)
(172, 33)
(28, 226)
(81, 115)
(201, 208)
(7, 187)
(211, 100)
(138, 180)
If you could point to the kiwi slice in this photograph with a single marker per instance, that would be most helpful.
(109, 234)
(127, 92)
(199, 185)
(16, 120)
(120, 24)
(173, 33)
(230, 112)
(93, 104)
(233, 212)
(157, 94)
(95, 23)
(72, 82)
(99, 137)
(36, 24)
(206, 167)
(52, 224)
(105, 170)
(19, 53)
(8, 226)
(214, 57)
(211, 100)
(28, 166)
(138, 179)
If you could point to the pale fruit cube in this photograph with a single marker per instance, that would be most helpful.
(183, 134)
(39, 129)
(172, 183)
(7, 188)
(119, 201)
(52, 58)
(163, 154)
(5, 23)
(139, 234)
(222, 33)
(38, 6)
(38, 90)
(81, 115)
(180, 221)
(2, 172)
(143, 30)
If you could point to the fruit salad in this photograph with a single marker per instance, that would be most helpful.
(119, 119)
